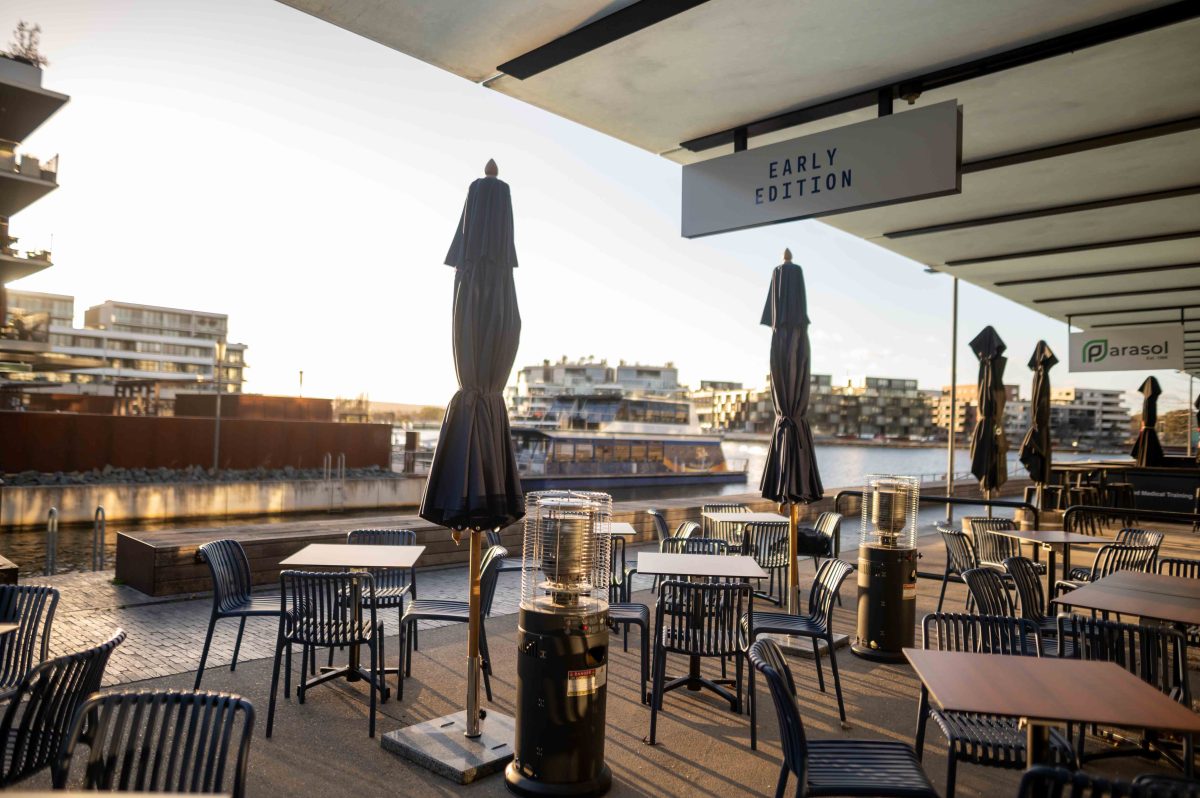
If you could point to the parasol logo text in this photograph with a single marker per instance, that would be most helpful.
(1128, 349)
(1095, 351)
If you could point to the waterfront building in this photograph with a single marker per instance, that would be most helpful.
(1109, 427)
(966, 410)
(59, 308)
(539, 388)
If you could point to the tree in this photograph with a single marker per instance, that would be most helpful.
(26, 40)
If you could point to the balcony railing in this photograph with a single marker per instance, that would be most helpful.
(28, 165)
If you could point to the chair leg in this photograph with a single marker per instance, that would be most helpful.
(287, 673)
(373, 647)
(487, 662)
(237, 646)
(753, 700)
(782, 785)
(381, 676)
(274, 682)
(212, 622)
(656, 695)
(951, 772)
(820, 670)
(645, 646)
(408, 652)
(400, 664)
(922, 721)
(942, 596)
(837, 680)
(738, 666)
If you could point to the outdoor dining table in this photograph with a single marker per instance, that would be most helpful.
(697, 566)
(1158, 597)
(621, 529)
(1053, 540)
(740, 520)
(355, 557)
(1045, 691)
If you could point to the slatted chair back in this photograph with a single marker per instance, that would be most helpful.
(988, 589)
(493, 537)
(1115, 557)
(315, 605)
(986, 634)
(992, 547)
(1031, 598)
(766, 657)
(829, 524)
(713, 529)
(32, 608)
(230, 570)
(768, 543)
(1042, 781)
(825, 587)
(1155, 654)
(161, 741)
(1179, 566)
(687, 529)
(960, 551)
(693, 546)
(489, 575)
(386, 578)
(617, 565)
(37, 719)
(661, 530)
(702, 618)
(1143, 537)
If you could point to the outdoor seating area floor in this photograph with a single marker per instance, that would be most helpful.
(322, 747)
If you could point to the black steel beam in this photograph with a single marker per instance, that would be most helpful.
(1090, 247)
(1090, 275)
(1039, 213)
(1083, 145)
(1115, 294)
(1157, 309)
(594, 35)
(1135, 323)
(969, 70)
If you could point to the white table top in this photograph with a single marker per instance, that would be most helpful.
(744, 518)
(622, 529)
(659, 564)
(345, 555)
(8, 628)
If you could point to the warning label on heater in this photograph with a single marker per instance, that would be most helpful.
(586, 682)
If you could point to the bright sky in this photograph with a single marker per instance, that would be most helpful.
(239, 156)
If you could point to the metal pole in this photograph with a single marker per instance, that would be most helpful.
(217, 425)
(953, 401)
(1191, 419)
(473, 613)
(793, 555)
(99, 529)
(51, 541)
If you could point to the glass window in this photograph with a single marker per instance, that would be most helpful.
(621, 452)
(583, 452)
(655, 452)
(564, 451)
(637, 452)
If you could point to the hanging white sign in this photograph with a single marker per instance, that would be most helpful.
(1128, 348)
(896, 158)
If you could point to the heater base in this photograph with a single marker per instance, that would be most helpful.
(877, 654)
(520, 784)
(441, 746)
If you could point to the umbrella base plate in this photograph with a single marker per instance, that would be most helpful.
(441, 746)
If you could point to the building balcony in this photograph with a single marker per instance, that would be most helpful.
(24, 179)
(14, 265)
(25, 104)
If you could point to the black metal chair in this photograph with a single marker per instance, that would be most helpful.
(817, 625)
(993, 547)
(628, 614)
(767, 543)
(313, 613)
(989, 593)
(829, 524)
(687, 529)
(833, 767)
(693, 546)
(392, 585)
(230, 570)
(960, 557)
(988, 740)
(1125, 537)
(698, 619)
(1031, 600)
(724, 530)
(454, 611)
(1110, 559)
(1179, 566)
(621, 580)
(1050, 782)
(1155, 654)
(32, 608)
(37, 719)
(161, 741)
(661, 530)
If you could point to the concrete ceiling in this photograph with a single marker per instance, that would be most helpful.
(1106, 222)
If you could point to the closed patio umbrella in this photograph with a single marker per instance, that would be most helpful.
(1147, 451)
(989, 447)
(1035, 448)
(473, 482)
(790, 475)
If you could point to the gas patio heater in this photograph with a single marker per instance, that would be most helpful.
(887, 567)
(562, 647)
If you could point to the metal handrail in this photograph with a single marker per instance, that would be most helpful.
(1169, 516)
(51, 541)
(99, 530)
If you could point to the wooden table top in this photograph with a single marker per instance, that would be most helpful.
(1047, 689)
(8, 628)
(622, 529)
(738, 566)
(744, 518)
(1133, 593)
(345, 555)
(1053, 537)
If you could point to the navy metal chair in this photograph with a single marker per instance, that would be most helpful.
(687, 529)
(993, 547)
(767, 543)
(960, 557)
(1179, 566)
(392, 585)
(1051, 782)
(1110, 559)
(38, 718)
(989, 592)
(32, 608)
(160, 741)
(661, 530)
(454, 611)
(230, 570)
(628, 614)
(313, 613)
(1031, 601)
(1126, 537)
(833, 767)
(817, 625)
(989, 740)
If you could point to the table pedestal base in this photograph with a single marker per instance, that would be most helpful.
(441, 746)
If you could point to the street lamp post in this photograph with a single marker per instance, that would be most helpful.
(218, 362)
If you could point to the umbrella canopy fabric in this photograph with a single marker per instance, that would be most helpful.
(989, 446)
(473, 480)
(790, 474)
(1146, 449)
(1035, 448)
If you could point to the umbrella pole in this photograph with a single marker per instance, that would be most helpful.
(473, 664)
(793, 555)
